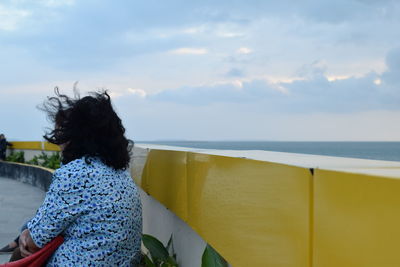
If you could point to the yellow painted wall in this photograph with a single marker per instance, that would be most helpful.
(164, 178)
(27, 145)
(34, 145)
(254, 213)
(51, 147)
(356, 220)
(257, 213)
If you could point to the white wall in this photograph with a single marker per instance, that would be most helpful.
(161, 223)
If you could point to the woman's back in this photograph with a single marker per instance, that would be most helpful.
(97, 209)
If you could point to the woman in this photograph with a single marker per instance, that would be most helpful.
(92, 200)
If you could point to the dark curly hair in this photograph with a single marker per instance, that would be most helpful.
(87, 127)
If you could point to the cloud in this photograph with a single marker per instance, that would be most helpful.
(244, 59)
(145, 119)
(391, 77)
(219, 93)
(11, 18)
(189, 51)
(235, 72)
(315, 70)
(244, 50)
(312, 92)
(59, 35)
(155, 120)
(137, 91)
(57, 3)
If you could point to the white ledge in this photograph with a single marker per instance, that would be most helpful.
(353, 165)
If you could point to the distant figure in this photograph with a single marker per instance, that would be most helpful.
(3, 146)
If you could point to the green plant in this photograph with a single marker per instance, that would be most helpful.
(48, 161)
(16, 157)
(211, 258)
(160, 256)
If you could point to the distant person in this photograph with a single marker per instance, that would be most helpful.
(92, 200)
(3, 146)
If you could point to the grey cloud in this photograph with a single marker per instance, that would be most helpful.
(393, 59)
(392, 75)
(314, 70)
(339, 96)
(250, 91)
(91, 32)
(315, 93)
(92, 37)
(235, 72)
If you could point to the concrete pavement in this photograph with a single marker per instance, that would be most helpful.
(18, 203)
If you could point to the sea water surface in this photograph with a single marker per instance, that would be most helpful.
(364, 150)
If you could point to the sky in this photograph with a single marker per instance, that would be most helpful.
(310, 70)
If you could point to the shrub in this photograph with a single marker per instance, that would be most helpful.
(16, 157)
(48, 161)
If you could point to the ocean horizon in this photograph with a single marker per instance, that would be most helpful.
(376, 150)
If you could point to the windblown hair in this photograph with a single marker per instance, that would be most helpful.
(87, 127)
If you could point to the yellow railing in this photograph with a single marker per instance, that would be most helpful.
(258, 213)
(34, 145)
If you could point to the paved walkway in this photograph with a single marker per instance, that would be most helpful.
(18, 203)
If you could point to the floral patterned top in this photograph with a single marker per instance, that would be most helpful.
(98, 211)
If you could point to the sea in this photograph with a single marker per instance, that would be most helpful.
(363, 150)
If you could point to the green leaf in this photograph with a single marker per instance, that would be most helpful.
(169, 264)
(170, 248)
(211, 258)
(148, 262)
(155, 247)
(169, 243)
(172, 262)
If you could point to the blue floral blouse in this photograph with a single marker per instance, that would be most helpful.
(97, 209)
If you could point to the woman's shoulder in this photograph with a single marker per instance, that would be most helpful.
(92, 165)
(72, 166)
(76, 173)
